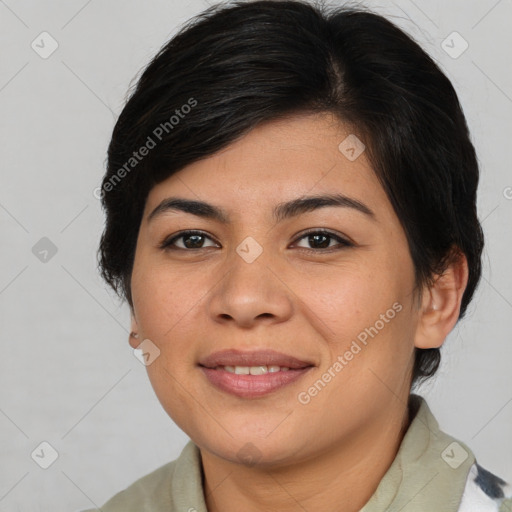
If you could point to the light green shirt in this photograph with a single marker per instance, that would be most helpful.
(432, 472)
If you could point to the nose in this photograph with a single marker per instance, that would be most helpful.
(251, 293)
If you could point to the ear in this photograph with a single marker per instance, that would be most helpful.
(440, 303)
(134, 333)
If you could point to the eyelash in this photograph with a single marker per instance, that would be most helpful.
(167, 244)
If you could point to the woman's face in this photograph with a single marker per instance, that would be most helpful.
(341, 303)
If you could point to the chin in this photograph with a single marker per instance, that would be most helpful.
(252, 449)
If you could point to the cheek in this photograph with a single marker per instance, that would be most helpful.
(165, 303)
(368, 314)
(169, 305)
(162, 298)
(352, 298)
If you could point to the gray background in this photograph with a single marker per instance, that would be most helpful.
(68, 375)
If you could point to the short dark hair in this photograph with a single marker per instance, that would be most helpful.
(242, 63)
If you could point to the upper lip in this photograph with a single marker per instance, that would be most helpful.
(233, 357)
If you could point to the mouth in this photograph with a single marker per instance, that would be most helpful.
(268, 359)
(252, 370)
(252, 374)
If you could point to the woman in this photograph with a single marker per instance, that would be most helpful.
(291, 216)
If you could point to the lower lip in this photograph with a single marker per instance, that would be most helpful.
(251, 386)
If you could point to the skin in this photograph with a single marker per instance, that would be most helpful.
(310, 304)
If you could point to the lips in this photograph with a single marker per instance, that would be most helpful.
(234, 357)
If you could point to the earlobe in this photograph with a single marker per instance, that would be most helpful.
(134, 334)
(441, 302)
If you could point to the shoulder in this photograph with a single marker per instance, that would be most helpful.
(174, 486)
(485, 492)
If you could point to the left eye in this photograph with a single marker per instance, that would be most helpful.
(322, 240)
(194, 240)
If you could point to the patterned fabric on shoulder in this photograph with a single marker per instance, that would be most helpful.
(485, 492)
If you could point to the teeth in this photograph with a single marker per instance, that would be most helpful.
(258, 370)
(253, 370)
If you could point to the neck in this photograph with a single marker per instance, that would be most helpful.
(343, 477)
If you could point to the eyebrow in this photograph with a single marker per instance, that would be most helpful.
(281, 212)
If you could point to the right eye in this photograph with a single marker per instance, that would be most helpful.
(192, 239)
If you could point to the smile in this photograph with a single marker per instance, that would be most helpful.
(253, 370)
(254, 381)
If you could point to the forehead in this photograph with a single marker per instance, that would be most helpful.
(279, 161)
